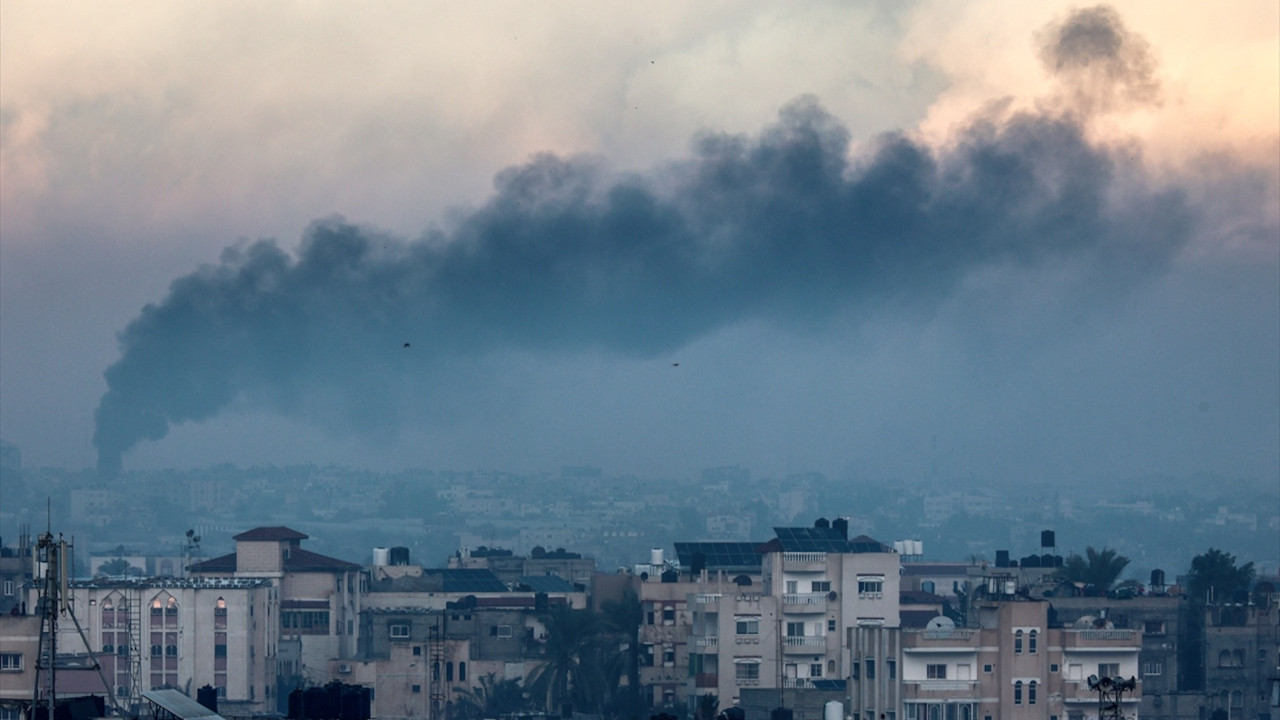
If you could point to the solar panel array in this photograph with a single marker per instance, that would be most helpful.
(546, 583)
(470, 580)
(720, 555)
(812, 539)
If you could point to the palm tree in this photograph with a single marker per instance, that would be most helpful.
(707, 706)
(493, 697)
(572, 671)
(623, 618)
(1100, 569)
(1215, 576)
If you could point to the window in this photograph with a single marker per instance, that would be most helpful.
(1017, 693)
(399, 631)
(1108, 670)
(669, 656)
(502, 631)
(448, 671)
(1153, 667)
(416, 688)
(870, 587)
(987, 668)
(820, 586)
(220, 651)
(871, 669)
(1031, 641)
(815, 670)
(8, 588)
(1031, 692)
(793, 587)
(303, 622)
(417, 649)
(157, 651)
(1017, 642)
(1053, 667)
(936, 672)
(831, 625)
(1153, 627)
(747, 626)
(668, 615)
(171, 650)
(11, 661)
(795, 629)
(891, 667)
(748, 671)
(462, 671)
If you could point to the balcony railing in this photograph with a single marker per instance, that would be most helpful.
(1106, 634)
(708, 641)
(805, 643)
(948, 634)
(943, 685)
(804, 561)
(804, 599)
(707, 598)
(792, 683)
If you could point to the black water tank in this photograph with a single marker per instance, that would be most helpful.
(1047, 539)
(841, 524)
(698, 563)
(821, 523)
(1157, 578)
(208, 697)
(399, 556)
(1002, 558)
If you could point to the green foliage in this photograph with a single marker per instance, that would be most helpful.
(492, 698)
(1100, 568)
(708, 704)
(573, 670)
(1215, 577)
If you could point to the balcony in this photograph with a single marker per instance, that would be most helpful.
(805, 602)
(796, 683)
(947, 634)
(806, 645)
(706, 599)
(706, 680)
(708, 641)
(948, 686)
(804, 561)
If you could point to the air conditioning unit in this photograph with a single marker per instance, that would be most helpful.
(344, 668)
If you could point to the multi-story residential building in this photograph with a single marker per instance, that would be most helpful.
(319, 598)
(156, 633)
(824, 605)
(1242, 658)
(1011, 663)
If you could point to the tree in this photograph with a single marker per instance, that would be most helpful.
(1215, 577)
(623, 618)
(1099, 568)
(492, 698)
(708, 704)
(572, 671)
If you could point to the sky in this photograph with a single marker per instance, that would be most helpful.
(1028, 242)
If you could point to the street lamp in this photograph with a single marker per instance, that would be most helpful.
(1110, 693)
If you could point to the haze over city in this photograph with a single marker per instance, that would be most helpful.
(1003, 241)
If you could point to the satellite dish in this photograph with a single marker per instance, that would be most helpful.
(941, 622)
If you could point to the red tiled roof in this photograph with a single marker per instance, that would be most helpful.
(278, 532)
(302, 560)
(224, 563)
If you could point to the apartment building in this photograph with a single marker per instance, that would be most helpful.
(319, 598)
(824, 604)
(1011, 664)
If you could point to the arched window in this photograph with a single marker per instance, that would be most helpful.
(1031, 641)
(448, 671)
(1031, 691)
(1224, 658)
(1017, 642)
(462, 671)
(1017, 693)
(966, 712)
(1237, 658)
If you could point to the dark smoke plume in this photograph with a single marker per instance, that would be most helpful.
(563, 258)
(1100, 64)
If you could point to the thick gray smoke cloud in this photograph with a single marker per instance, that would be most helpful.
(1101, 65)
(784, 226)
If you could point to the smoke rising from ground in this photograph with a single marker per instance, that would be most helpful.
(789, 226)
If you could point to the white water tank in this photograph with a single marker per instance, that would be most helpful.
(655, 557)
(381, 557)
(834, 710)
